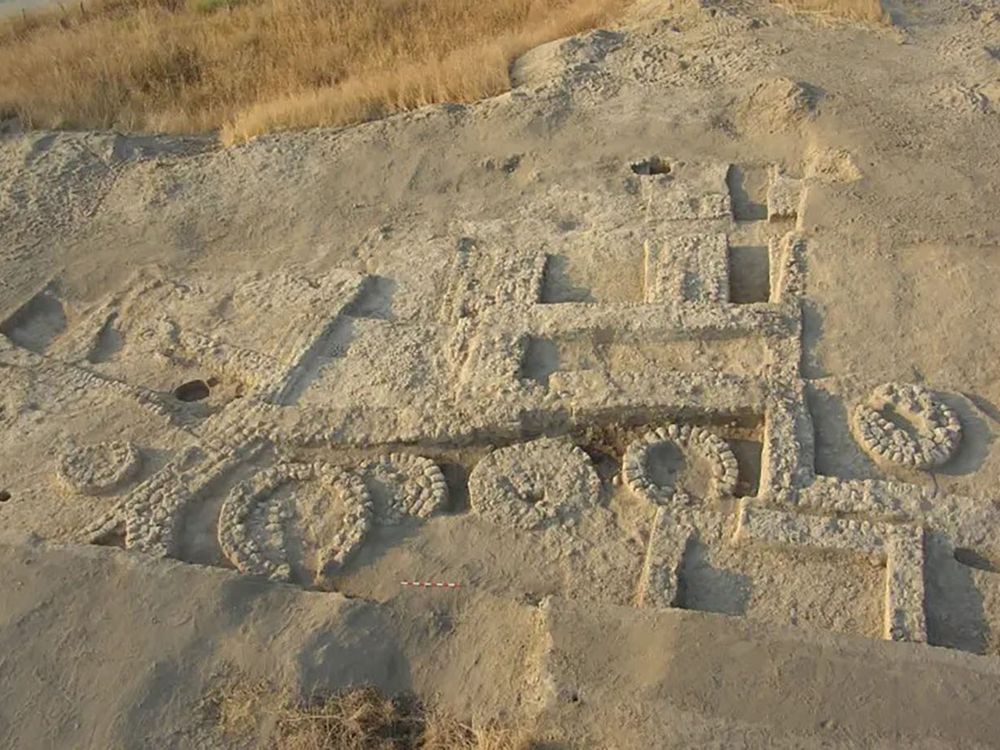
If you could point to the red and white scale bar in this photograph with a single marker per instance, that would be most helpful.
(431, 584)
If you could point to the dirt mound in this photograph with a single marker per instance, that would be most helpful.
(779, 105)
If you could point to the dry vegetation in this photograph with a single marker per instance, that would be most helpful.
(247, 67)
(356, 719)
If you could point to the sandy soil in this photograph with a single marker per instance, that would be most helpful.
(129, 664)
(678, 358)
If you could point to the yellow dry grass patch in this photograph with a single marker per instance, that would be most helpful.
(356, 719)
(254, 66)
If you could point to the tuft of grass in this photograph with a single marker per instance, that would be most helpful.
(211, 6)
(254, 66)
(359, 718)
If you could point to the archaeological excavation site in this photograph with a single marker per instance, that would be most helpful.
(652, 403)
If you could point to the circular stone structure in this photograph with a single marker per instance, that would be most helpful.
(403, 484)
(252, 525)
(692, 442)
(930, 438)
(533, 485)
(98, 468)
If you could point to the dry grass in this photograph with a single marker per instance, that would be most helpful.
(355, 719)
(859, 10)
(247, 67)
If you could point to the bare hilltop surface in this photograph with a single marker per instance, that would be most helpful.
(679, 360)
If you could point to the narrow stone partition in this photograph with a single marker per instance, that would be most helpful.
(784, 196)
(660, 578)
